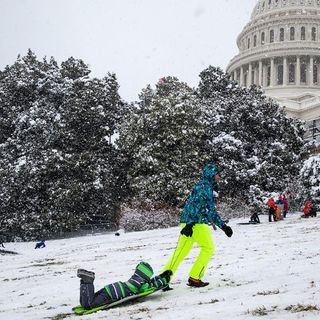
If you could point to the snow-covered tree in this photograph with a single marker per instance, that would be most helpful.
(259, 145)
(174, 130)
(310, 179)
(57, 165)
(74, 69)
(164, 137)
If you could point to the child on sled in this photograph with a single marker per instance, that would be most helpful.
(139, 282)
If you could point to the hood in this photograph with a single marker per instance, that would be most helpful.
(144, 270)
(210, 170)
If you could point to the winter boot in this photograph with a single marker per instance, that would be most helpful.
(85, 276)
(167, 288)
(196, 283)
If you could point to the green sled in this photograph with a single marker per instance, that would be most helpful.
(79, 310)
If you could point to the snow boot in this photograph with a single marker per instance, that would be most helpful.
(167, 288)
(85, 276)
(196, 283)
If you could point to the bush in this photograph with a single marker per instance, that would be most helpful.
(137, 218)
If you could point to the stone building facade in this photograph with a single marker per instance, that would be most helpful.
(279, 49)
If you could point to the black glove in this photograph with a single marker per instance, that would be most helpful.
(166, 274)
(227, 230)
(187, 230)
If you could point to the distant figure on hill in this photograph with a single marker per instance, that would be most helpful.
(40, 244)
(310, 209)
(285, 205)
(2, 239)
(280, 205)
(255, 214)
(272, 209)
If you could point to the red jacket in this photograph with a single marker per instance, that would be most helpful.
(271, 203)
(307, 208)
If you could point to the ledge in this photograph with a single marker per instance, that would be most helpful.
(275, 50)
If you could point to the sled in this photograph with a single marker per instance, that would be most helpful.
(246, 223)
(79, 310)
(3, 251)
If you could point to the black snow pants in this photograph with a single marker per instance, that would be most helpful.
(272, 214)
(89, 299)
(255, 218)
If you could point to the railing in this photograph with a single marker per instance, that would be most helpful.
(275, 49)
(313, 130)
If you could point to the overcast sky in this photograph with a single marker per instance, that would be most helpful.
(140, 40)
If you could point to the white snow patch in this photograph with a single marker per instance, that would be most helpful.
(271, 265)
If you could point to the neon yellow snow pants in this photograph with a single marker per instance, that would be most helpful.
(202, 236)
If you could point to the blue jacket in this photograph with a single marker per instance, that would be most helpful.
(200, 206)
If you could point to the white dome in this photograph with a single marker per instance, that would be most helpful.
(267, 6)
(279, 50)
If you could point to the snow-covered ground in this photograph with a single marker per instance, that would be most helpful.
(272, 269)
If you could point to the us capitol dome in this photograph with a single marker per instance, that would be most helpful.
(279, 49)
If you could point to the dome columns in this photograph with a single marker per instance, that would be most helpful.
(250, 74)
(285, 71)
(298, 72)
(260, 82)
(241, 76)
(279, 50)
(272, 73)
(310, 72)
(279, 72)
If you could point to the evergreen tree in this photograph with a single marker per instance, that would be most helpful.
(18, 91)
(90, 161)
(31, 103)
(309, 178)
(251, 134)
(164, 137)
(74, 69)
(173, 130)
(57, 165)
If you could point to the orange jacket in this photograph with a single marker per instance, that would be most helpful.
(278, 214)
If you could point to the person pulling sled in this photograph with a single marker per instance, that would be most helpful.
(198, 212)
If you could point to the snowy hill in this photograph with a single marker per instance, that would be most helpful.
(271, 269)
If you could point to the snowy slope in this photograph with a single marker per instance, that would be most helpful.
(269, 268)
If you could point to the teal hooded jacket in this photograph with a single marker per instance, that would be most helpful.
(200, 206)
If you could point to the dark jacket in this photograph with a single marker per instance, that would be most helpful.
(141, 281)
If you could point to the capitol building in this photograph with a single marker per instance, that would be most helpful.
(279, 49)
